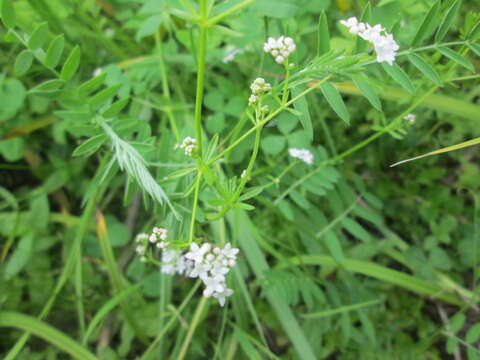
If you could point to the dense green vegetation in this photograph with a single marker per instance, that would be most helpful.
(124, 116)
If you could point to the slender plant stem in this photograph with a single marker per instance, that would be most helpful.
(228, 12)
(165, 85)
(192, 328)
(194, 207)
(285, 83)
(268, 118)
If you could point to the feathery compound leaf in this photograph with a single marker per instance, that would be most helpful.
(425, 68)
(8, 14)
(323, 35)
(447, 21)
(428, 25)
(335, 100)
(23, 62)
(400, 76)
(130, 160)
(38, 37)
(54, 51)
(368, 92)
(71, 65)
(456, 57)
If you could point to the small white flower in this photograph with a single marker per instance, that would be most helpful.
(213, 285)
(97, 72)
(141, 237)
(383, 43)
(280, 48)
(189, 145)
(221, 296)
(302, 154)
(410, 118)
(259, 86)
(229, 251)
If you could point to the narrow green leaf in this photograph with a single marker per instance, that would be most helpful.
(248, 238)
(425, 68)
(38, 37)
(23, 62)
(368, 92)
(475, 48)
(442, 150)
(20, 256)
(397, 74)
(115, 108)
(46, 332)
(46, 87)
(104, 95)
(398, 278)
(71, 64)
(474, 31)
(447, 21)
(107, 308)
(323, 35)
(360, 44)
(90, 146)
(456, 57)
(91, 85)
(54, 52)
(301, 105)
(335, 100)
(8, 14)
(342, 309)
(428, 25)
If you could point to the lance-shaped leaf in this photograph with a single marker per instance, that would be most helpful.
(425, 68)
(428, 25)
(335, 100)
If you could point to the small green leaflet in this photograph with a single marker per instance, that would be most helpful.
(91, 85)
(38, 37)
(47, 87)
(447, 21)
(397, 74)
(335, 100)
(425, 68)
(23, 62)
(323, 35)
(368, 92)
(456, 57)
(8, 14)
(428, 25)
(54, 52)
(104, 95)
(301, 105)
(115, 108)
(90, 146)
(71, 64)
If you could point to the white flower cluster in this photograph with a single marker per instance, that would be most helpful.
(280, 48)
(189, 145)
(211, 264)
(302, 154)
(159, 237)
(384, 44)
(410, 118)
(258, 87)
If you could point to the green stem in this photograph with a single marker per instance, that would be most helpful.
(202, 52)
(165, 85)
(194, 207)
(228, 12)
(285, 84)
(267, 119)
(192, 328)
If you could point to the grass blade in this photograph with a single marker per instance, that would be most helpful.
(46, 332)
